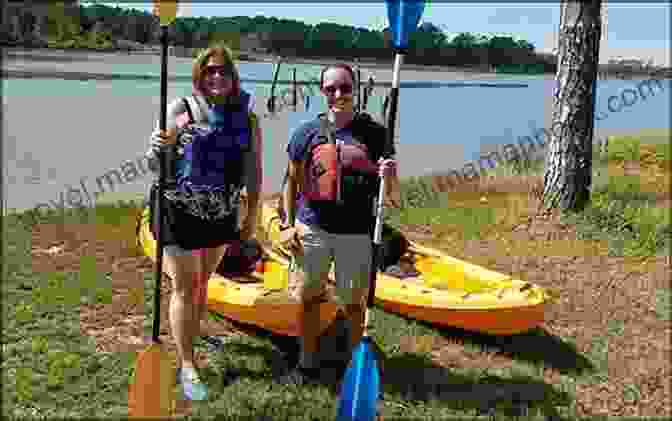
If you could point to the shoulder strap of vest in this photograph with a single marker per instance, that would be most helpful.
(196, 108)
(253, 119)
(185, 101)
(364, 121)
(253, 124)
(364, 116)
(325, 131)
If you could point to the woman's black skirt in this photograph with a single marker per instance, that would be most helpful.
(189, 231)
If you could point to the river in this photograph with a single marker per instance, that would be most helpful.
(61, 135)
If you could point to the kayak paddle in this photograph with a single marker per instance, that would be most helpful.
(150, 391)
(361, 383)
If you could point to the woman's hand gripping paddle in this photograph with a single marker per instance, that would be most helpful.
(150, 391)
(361, 384)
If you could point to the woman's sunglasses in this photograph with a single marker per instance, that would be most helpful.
(331, 89)
(224, 71)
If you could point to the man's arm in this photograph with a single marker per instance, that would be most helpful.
(392, 185)
(296, 150)
(393, 189)
(292, 188)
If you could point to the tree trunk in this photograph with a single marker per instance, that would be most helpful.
(569, 158)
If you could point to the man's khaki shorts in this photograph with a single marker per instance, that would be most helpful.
(309, 272)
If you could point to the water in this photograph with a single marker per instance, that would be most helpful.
(59, 134)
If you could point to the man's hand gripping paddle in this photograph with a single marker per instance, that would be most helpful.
(150, 391)
(361, 384)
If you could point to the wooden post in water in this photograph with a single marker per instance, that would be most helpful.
(294, 91)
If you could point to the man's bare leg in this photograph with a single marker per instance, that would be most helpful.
(355, 316)
(309, 320)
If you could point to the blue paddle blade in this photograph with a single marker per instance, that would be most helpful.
(361, 385)
(404, 16)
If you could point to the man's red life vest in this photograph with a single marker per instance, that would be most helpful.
(336, 171)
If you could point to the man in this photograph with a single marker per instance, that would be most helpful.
(332, 181)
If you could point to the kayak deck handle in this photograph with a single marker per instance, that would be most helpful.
(502, 291)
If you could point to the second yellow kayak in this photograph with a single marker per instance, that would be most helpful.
(446, 291)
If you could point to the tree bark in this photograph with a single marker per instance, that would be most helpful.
(569, 158)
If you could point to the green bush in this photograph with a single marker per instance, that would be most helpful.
(418, 192)
(629, 218)
(623, 148)
(90, 40)
(663, 152)
(522, 167)
(599, 157)
(631, 148)
(526, 166)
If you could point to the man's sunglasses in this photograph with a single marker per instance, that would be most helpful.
(224, 71)
(345, 89)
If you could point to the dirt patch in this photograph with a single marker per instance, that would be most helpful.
(600, 297)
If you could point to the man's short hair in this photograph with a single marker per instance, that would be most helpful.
(343, 66)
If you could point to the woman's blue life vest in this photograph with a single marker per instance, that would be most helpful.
(212, 154)
(209, 166)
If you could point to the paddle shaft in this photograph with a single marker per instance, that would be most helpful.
(161, 185)
(378, 231)
(362, 380)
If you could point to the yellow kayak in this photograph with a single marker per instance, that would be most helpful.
(249, 299)
(444, 291)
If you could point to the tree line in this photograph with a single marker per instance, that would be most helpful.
(68, 24)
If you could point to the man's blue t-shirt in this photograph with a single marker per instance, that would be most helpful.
(348, 218)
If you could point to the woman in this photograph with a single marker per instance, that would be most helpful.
(216, 141)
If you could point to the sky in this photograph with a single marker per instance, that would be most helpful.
(633, 30)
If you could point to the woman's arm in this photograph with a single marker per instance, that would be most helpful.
(254, 170)
(175, 112)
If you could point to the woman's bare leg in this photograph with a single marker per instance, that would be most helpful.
(182, 269)
(209, 260)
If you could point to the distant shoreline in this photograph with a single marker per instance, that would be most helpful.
(465, 72)
(44, 54)
(78, 65)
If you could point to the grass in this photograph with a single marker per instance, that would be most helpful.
(624, 209)
(50, 369)
(624, 217)
(664, 304)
